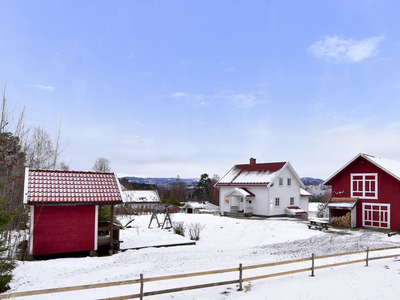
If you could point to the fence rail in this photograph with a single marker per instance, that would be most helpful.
(239, 281)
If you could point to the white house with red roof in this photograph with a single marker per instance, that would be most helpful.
(262, 189)
(64, 210)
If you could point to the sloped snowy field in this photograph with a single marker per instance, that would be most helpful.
(224, 243)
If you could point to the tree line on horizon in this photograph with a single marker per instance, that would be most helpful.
(179, 192)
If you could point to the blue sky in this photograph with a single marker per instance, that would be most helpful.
(167, 88)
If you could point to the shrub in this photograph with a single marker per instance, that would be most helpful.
(179, 228)
(194, 231)
(321, 211)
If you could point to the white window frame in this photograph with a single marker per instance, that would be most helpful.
(280, 181)
(365, 184)
(383, 214)
(289, 181)
(226, 200)
(291, 201)
(277, 201)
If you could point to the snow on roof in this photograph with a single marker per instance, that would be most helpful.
(210, 206)
(262, 173)
(137, 196)
(197, 205)
(392, 167)
(343, 205)
(303, 192)
(295, 210)
(52, 186)
(244, 192)
(342, 202)
(194, 205)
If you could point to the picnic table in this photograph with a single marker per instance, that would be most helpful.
(318, 224)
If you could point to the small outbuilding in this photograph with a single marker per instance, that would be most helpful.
(65, 208)
(193, 207)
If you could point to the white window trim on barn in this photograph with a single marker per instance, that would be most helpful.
(380, 210)
(364, 185)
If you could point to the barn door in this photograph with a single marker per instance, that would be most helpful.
(376, 215)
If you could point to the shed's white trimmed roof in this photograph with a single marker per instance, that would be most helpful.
(342, 204)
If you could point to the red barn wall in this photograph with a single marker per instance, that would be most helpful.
(61, 229)
(388, 189)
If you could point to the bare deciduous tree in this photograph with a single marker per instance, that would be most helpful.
(178, 190)
(102, 165)
(40, 150)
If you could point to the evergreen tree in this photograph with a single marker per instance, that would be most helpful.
(7, 264)
(201, 190)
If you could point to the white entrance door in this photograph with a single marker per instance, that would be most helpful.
(376, 215)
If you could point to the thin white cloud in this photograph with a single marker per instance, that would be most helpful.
(334, 48)
(244, 100)
(44, 87)
(230, 69)
(178, 95)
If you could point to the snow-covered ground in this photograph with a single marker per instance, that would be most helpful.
(225, 243)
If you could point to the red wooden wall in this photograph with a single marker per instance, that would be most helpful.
(61, 229)
(388, 189)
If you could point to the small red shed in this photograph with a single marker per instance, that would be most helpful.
(369, 188)
(64, 207)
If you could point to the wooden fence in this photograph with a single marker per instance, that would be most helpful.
(238, 281)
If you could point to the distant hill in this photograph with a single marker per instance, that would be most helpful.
(190, 182)
(167, 182)
(311, 181)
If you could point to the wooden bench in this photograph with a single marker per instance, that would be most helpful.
(318, 224)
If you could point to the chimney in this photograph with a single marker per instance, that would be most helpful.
(252, 161)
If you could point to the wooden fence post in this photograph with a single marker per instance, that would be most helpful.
(141, 286)
(240, 277)
(366, 260)
(312, 265)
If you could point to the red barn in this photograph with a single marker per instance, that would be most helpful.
(369, 188)
(64, 208)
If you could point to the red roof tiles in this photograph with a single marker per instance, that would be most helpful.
(46, 186)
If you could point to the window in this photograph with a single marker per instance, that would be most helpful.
(276, 201)
(289, 181)
(364, 185)
(226, 200)
(280, 181)
(291, 200)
